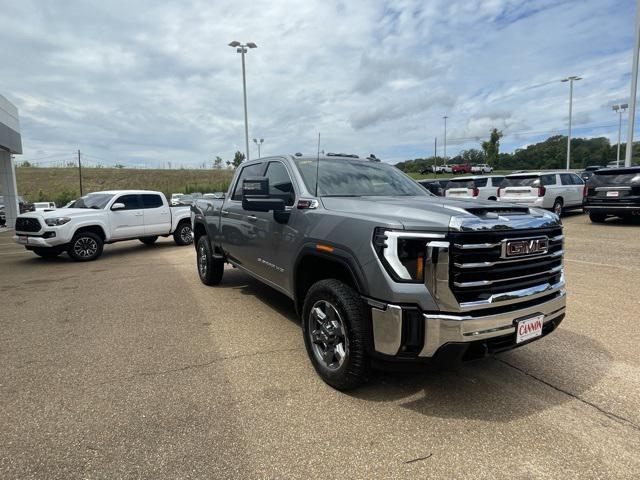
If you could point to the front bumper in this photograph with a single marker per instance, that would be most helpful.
(30, 240)
(613, 209)
(436, 331)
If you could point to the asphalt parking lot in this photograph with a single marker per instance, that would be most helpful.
(130, 367)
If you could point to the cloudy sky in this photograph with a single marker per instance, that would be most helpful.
(149, 82)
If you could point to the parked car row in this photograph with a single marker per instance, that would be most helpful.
(459, 168)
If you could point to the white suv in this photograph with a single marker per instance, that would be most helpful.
(557, 191)
(474, 187)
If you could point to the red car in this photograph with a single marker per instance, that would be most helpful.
(461, 168)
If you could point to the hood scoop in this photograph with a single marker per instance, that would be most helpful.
(497, 211)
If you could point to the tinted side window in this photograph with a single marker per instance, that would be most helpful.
(131, 202)
(280, 185)
(547, 180)
(151, 201)
(566, 179)
(497, 181)
(481, 182)
(576, 179)
(250, 171)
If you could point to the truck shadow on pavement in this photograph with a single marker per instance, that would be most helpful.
(512, 385)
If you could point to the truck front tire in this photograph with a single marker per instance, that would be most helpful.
(183, 234)
(85, 246)
(210, 269)
(334, 326)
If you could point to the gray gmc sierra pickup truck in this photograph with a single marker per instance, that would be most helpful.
(381, 270)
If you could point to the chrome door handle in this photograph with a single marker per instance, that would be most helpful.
(252, 218)
(138, 214)
(224, 213)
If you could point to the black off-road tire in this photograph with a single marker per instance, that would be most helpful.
(47, 252)
(597, 217)
(183, 234)
(85, 247)
(356, 367)
(149, 240)
(210, 269)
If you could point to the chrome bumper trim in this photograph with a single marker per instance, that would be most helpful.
(387, 329)
(445, 328)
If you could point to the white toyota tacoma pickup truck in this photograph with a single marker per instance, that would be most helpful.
(112, 216)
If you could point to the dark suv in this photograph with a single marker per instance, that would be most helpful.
(613, 191)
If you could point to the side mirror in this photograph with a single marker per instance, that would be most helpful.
(117, 206)
(255, 196)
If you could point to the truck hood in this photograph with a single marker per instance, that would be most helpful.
(61, 212)
(441, 214)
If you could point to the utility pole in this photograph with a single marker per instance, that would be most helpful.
(634, 87)
(435, 151)
(570, 80)
(80, 171)
(445, 137)
(619, 108)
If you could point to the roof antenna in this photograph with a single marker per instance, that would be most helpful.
(318, 165)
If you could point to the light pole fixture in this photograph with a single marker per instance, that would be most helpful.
(258, 143)
(619, 109)
(445, 139)
(242, 49)
(572, 79)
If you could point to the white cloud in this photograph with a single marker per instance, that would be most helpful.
(155, 82)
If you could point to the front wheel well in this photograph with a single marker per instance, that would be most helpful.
(313, 268)
(94, 229)
(198, 231)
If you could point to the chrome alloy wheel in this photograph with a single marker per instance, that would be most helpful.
(328, 336)
(202, 261)
(186, 235)
(557, 208)
(85, 247)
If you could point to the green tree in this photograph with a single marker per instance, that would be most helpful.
(491, 147)
(217, 163)
(471, 156)
(119, 165)
(238, 158)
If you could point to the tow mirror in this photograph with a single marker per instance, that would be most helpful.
(256, 198)
(117, 206)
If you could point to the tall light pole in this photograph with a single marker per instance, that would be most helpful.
(634, 87)
(619, 108)
(242, 49)
(445, 139)
(570, 80)
(255, 140)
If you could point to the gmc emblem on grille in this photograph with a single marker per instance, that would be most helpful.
(524, 246)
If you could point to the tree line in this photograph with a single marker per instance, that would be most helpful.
(546, 155)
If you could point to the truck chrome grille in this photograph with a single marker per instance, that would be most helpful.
(27, 225)
(479, 268)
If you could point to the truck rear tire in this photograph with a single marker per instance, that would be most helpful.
(183, 234)
(335, 331)
(148, 240)
(47, 252)
(597, 217)
(85, 247)
(210, 269)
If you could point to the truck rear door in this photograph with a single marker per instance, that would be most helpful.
(157, 217)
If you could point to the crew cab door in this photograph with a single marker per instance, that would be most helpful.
(127, 222)
(237, 226)
(157, 217)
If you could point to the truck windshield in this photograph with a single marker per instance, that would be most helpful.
(93, 200)
(345, 178)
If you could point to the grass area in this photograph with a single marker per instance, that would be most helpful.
(420, 176)
(61, 184)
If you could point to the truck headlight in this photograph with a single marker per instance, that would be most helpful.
(403, 253)
(54, 222)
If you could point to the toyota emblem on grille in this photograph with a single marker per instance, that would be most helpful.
(521, 247)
